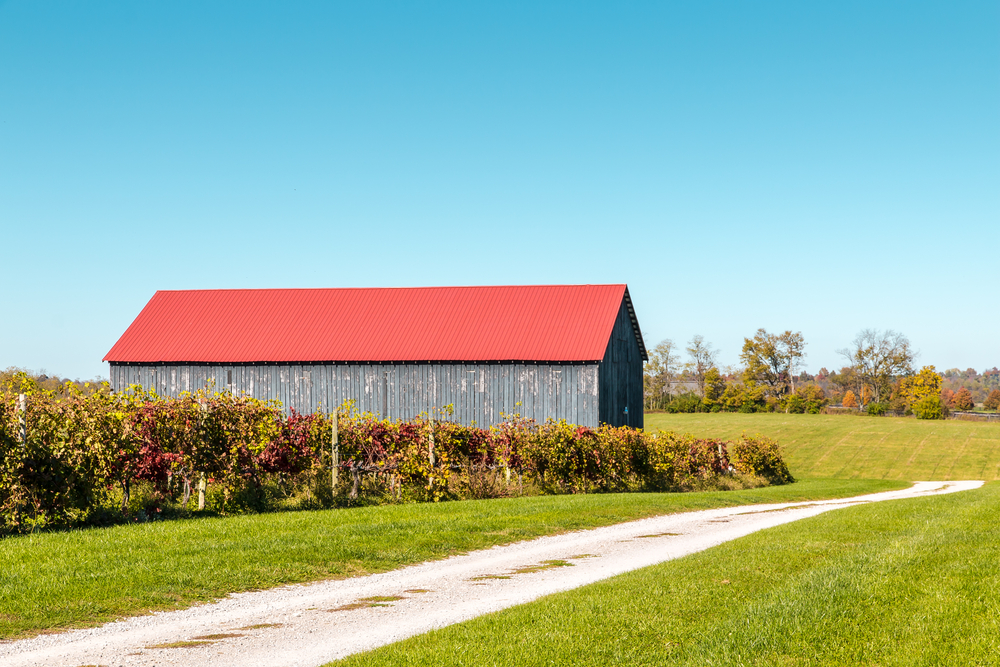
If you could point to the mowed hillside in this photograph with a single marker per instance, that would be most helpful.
(847, 446)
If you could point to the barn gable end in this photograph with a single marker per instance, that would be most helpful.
(620, 371)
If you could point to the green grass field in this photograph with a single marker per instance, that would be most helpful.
(914, 582)
(848, 446)
(86, 577)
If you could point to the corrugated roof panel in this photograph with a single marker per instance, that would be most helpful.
(510, 323)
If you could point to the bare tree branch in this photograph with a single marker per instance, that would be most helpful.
(878, 358)
(701, 357)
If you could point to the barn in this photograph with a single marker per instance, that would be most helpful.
(570, 352)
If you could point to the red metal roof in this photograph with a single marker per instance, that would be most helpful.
(514, 323)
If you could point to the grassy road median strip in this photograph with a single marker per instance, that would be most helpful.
(908, 582)
(86, 577)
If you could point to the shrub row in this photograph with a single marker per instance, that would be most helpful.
(71, 459)
(748, 398)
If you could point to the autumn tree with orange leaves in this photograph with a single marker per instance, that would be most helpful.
(849, 400)
(963, 400)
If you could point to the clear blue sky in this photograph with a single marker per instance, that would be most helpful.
(820, 167)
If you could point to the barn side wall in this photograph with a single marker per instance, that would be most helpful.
(478, 392)
(620, 375)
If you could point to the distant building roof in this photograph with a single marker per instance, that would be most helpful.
(509, 323)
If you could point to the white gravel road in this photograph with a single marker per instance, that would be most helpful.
(301, 624)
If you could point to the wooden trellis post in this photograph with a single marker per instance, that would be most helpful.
(334, 455)
(430, 450)
(202, 487)
(202, 482)
(22, 408)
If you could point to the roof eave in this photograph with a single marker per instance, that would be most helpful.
(635, 325)
(345, 362)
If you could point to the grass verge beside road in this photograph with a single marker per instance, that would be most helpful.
(909, 582)
(848, 446)
(86, 577)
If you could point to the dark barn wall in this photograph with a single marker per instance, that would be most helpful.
(620, 375)
(478, 392)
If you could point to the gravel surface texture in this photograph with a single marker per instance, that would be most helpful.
(312, 624)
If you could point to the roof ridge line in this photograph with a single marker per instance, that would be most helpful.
(427, 287)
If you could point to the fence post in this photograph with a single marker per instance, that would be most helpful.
(334, 455)
(22, 408)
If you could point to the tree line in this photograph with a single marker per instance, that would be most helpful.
(879, 377)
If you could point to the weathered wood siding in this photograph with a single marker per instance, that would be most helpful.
(478, 392)
(620, 375)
